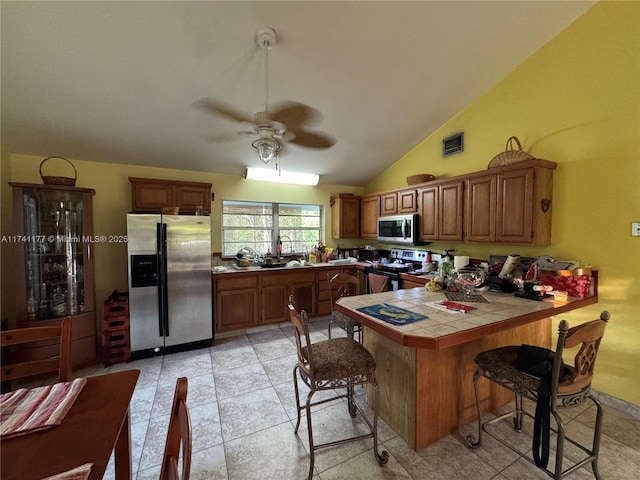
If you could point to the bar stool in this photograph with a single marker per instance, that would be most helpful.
(344, 285)
(331, 365)
(567, 387)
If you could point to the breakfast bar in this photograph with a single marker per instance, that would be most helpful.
(425, 366)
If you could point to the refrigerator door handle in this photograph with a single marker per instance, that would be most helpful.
(161, 233)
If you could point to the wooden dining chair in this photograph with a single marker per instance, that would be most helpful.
(18, 338)
(178, 436)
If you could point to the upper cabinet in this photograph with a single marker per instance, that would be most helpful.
(150, 195)
(369, 213)
(441, 210)
(399, 202)
(345, 216)
(510, 205)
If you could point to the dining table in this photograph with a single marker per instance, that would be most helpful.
(97, 425)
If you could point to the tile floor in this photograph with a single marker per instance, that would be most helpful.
(242, 409)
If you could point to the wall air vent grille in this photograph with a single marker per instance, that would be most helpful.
(453, 144)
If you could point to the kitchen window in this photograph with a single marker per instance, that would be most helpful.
(258, 224)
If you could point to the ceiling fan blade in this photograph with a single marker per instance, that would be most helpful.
(211, 106)
(312, 140)
(294, 114)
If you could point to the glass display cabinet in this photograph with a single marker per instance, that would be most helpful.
(53, 241)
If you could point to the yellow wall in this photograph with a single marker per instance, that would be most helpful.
(575, 102)
(112, 201)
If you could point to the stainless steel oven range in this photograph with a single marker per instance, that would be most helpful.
(400, 261)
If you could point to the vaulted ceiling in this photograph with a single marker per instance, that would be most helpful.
(116, 81)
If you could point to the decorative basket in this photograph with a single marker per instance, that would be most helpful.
(422, 178)
(53, 180)
(170, 210)
(510, 155)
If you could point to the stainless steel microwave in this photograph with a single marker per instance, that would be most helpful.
(398, 229)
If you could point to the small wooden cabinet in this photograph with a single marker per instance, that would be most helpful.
(511, 204)
(236, 304)
(345, 216)
(399, 202)
(369, 213)
(441, 211)
(150, 195)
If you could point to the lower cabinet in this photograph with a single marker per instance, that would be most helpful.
(276, 288)
(249, 300)
(236, 303)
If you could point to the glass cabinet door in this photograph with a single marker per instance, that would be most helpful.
(54, 256)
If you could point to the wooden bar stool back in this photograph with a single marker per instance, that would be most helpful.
(343, 285)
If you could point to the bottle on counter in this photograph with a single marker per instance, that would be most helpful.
(279, 246)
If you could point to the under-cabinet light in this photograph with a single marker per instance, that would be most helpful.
(281, 176)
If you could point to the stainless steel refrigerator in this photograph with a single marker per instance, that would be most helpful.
(169, 283)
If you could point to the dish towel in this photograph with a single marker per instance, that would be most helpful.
(31, 409)
(377, 283)
(79, 473)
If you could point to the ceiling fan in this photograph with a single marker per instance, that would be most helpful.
(286, 121)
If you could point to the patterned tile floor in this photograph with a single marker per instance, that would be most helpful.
(242, 409)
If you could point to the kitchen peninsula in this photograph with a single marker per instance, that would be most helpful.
(425, 369)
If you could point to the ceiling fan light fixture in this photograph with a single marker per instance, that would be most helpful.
(282, 176)
(267, 148)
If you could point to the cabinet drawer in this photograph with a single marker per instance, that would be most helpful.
(239, 282)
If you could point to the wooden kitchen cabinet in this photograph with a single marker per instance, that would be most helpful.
(275, 291)
(151, 195)
(237, 302)
(480, 209)
(441, 211)
(399, 202)
(369, 213)
(511, 204)
(345, 216)
(53, 227)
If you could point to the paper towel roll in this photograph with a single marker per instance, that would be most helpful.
(460, 261)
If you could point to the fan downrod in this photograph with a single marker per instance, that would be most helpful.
(265, 37)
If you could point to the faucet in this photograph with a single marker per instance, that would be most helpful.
(282, 237)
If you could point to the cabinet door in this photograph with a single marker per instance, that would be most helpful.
(345, 216)
(236, 309)
(188, 197)
(275, 299)
(151, 197)
(408, 201)
(369, 213)
(514, 223)
(429, 213)
(450, 211)
(305, 295)
(389, 203)
(480, 209)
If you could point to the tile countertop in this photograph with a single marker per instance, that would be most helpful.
(443, 329)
